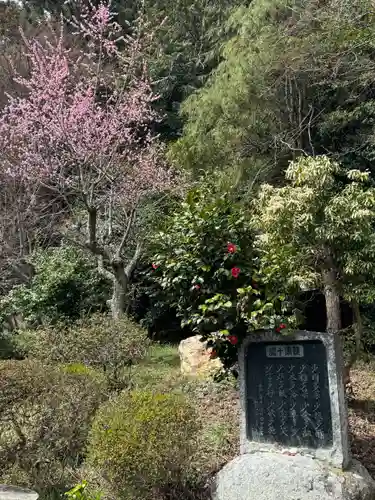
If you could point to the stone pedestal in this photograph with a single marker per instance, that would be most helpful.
(274, 476)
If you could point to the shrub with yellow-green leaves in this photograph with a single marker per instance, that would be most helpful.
(141, 442)
(98, 342)
(45, 418)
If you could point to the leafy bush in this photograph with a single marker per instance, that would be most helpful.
(79, 492)
(45, 417)
(66, 285)
(97, 341)
(141, 442)
(206, 267)
(7, 347)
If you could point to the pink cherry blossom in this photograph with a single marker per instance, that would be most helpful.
(82, 129)
(61, 134)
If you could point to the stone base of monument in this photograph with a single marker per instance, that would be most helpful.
(273, 476)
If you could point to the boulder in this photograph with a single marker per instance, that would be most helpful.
(195, 358)
(273, 476)
(16, 493)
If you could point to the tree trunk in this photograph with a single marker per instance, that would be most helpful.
(332, 301)
(120, 291)
(121, 281)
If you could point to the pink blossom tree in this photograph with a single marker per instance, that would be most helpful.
(82, 130)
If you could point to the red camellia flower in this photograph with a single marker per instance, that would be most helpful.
(231, 248)
(235, 272)
(233, 339)
(154, 266)
(280, 327)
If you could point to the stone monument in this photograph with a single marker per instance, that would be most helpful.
(294, 426)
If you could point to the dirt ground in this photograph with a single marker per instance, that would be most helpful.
(362, 416)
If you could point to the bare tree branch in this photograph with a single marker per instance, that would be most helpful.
(126, 234)
(131, 265)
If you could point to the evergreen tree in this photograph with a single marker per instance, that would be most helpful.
(297, 77)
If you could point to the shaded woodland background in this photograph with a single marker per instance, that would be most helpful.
(263, 115)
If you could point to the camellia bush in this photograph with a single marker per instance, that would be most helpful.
(206, 266)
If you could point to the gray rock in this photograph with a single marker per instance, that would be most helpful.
(273, 476)
(16, 493)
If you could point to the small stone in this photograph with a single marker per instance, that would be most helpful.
(289, 451)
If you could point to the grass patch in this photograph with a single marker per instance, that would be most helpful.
(159, 370)
(163, 354)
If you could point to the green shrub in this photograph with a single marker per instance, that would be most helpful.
(79, 492)
(66, 285)
(7, 347)
(45, 417)
(97, 341)
(141, 442)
